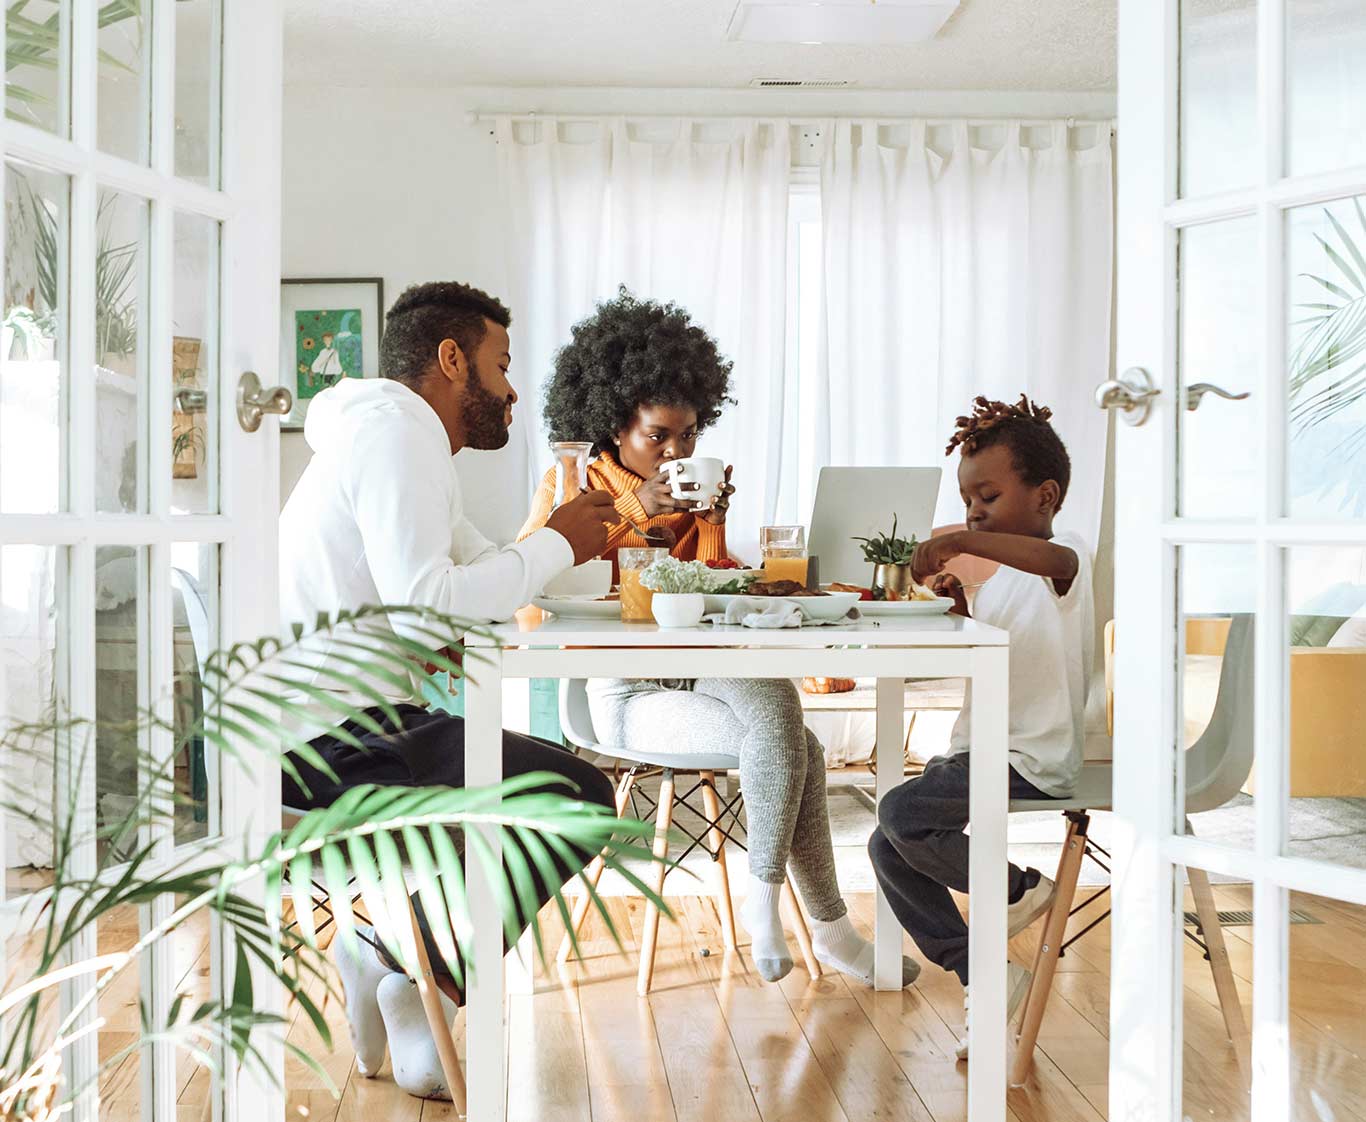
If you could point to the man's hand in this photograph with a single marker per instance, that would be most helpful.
(946, 584)
(717, 514)
(583, 523)
(657, 499)
(931, 556)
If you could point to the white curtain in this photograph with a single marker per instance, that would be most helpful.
(688, 211)
(953, 270)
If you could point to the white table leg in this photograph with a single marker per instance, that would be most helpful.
(887, 934)
(987, 885)
(486, 1041)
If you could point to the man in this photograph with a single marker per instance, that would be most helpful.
(377, 518)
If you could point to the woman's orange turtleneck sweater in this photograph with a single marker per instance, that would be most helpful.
(697, 539)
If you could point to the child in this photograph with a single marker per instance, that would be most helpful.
(1013, 477)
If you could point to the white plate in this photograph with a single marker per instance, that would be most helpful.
(827, 608)
(571, 608)
(886, 609)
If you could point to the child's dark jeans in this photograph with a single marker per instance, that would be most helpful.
(919, 851)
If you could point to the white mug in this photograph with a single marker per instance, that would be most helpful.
(697, 479)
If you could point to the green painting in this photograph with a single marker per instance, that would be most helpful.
(327, 348)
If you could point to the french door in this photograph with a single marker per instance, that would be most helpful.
(141, 149)
(1241, 559)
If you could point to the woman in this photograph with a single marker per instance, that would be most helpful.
(642, 382)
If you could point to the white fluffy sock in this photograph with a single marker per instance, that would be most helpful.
(412, 1050)
(361, 971)
(761, 918)
(837, 943)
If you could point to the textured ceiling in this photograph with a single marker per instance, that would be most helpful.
(987, 45)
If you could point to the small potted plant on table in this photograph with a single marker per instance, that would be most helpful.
(890, 557)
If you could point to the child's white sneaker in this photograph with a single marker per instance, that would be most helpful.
(1017, 985)
(1030, 906)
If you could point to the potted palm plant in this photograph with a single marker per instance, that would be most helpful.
(358, 846)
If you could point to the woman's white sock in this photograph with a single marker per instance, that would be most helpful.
(762, 920)
(361, 970)
(412, 1050)
(837, 943)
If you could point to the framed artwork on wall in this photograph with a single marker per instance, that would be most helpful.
(330, 329)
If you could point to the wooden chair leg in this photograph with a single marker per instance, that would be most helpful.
(436, 1019)
(1050, 947)
(1229, 1002)
(724, 904)
(663, 823)
(813, 965)
(593, 874)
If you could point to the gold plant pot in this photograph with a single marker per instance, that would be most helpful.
(894, 578)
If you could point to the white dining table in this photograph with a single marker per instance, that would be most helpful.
(889, 650)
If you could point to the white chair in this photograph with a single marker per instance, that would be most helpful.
(576, 721)
(1217, 766)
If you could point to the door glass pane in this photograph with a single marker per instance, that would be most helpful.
(194, 976)
(1325, 84)
(32, 684)
(1327, 1016)
(1218, 585)
(1214, 991)
(121, 692)
(120, 370)
(1326, 369)
(1219, 320)
(33, 383)
(194, 610)
(1219, 145)
(119, 1006)
(1326, 631)
(37, 58)
(125, 121)
(198, 34)
(194, 419)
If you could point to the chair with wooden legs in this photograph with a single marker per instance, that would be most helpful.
(719, 820)
(1217, 765)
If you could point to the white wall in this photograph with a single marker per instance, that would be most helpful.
(402, 184)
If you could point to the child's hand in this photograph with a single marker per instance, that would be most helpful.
(946, 584)
(931, 556)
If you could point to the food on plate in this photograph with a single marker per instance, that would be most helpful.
(723, 563)
(779, 588)
(828, 685)
(863, 593)
(918, 592)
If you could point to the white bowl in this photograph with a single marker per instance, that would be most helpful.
(678, 609)
(591, 580)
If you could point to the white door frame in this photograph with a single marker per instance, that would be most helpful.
(248, 208)
(1146, 988)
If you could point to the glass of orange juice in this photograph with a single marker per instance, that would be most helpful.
(637, 600)
(783, 549)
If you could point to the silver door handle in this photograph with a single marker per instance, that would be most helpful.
(253, 402)
(1197, 390)
(1131, 393)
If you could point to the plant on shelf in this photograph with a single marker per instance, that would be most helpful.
(355, 847)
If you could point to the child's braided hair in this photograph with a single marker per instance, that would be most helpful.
(1035, 448)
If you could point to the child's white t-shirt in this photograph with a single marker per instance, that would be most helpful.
(1052, 648)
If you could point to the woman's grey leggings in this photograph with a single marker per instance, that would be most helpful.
(782, 766)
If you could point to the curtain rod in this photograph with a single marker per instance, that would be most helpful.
(480, 116)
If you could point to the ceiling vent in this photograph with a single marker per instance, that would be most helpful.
(800, 83)
(879, 22)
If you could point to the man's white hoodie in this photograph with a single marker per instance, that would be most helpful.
(377, 518)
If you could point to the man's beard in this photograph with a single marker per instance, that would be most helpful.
(483, 415)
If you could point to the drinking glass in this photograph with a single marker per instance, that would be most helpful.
(571, 469)
(783, 549)
(637, 600)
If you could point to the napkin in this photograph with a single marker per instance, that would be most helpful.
(759, 611)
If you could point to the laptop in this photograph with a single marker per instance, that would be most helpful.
(859, 502)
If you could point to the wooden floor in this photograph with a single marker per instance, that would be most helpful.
(714, 1043)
